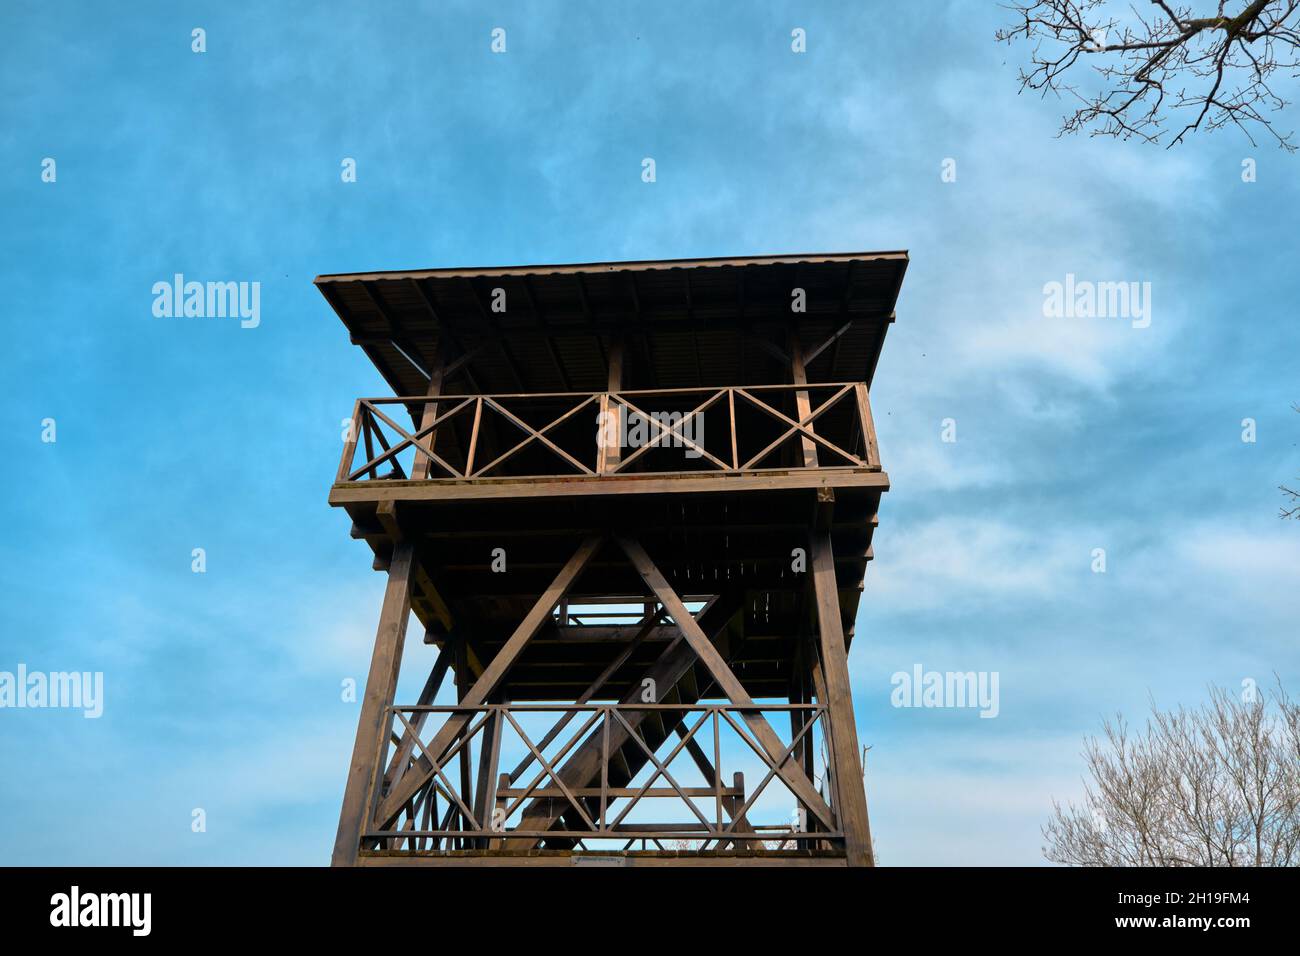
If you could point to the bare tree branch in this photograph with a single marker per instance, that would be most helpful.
(1216, 786)
(1209, 71)
(1293, 511)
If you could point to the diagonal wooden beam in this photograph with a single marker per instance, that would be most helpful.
(396, 334)
(647, 624)
(772, 349)
(462, 746)
(589, 761)
(727, 682)
(803, 426)
(495, 329)
(709, 772)
(538, 434)
(427, 694)
(548, 770)
(787, 753)
(665, 432)
(466, 356)
(812, 354)
(548, 767)
(548, 338)
(661, 768)
(491, 677)
(428, 426)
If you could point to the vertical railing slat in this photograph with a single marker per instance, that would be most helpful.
(350, 444)
(868, 424)
(473, 437)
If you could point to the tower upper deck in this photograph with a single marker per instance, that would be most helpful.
(693, 361)
(716, 409)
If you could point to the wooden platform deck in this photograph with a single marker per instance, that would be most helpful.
(736, 541)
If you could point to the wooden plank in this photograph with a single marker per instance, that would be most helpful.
(612, 454)
(619, 793)
(802, 403)
(630, 392)
(868, 424)
(350, 444)
(812, 354)
(420, 468)
(489, 757)
(731, 412)
(579, 486)
(474, 436)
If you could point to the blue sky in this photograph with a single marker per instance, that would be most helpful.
(222, 689)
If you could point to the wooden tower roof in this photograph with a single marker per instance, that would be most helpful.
(688, 322)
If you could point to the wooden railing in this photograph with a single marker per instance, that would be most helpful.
(735, 429)
(673, 742)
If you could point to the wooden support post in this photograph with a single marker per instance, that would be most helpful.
(466, 755)
(841, 734)
(371, 745)
(421, 466)
(803, 751)
(503, 783)
(802, 403)
(868, 424)
(611, 435)
(485, 801)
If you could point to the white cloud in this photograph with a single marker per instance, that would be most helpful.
(964, 561)
(968, 800)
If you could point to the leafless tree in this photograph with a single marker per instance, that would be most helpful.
(1216, 786)
(1292, 495)
(1207, 68)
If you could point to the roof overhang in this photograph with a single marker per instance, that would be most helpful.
(685, 322)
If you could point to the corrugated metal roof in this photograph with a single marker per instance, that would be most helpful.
(685, 322)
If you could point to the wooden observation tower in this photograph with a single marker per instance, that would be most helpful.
(631, 505)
